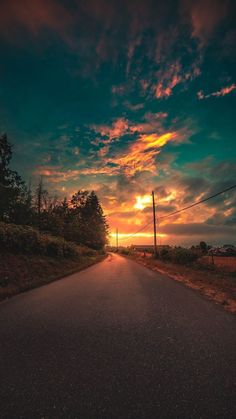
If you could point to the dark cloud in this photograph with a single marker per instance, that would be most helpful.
(205, 16)
(197, 229)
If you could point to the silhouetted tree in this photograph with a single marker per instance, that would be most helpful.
(13, 202)
(80, 220)
(203, 246)
(95, 222)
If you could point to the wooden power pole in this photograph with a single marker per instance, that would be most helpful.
(154, 224)
(117, 244)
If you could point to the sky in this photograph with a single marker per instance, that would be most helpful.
(126, 97)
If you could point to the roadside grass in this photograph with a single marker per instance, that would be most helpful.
(211, 281)
(30, 258)
(21, 272)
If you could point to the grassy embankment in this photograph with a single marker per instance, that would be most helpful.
(214, 282)
(29, 259)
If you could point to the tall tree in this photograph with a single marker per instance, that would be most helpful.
(95, 222)
(12, 187)
(40, 201)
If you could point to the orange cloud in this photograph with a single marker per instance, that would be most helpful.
(152, 123)
(55, 174)
(222, 92)
(168, 80)
(174, 75)
(141, 154)
(118, 128)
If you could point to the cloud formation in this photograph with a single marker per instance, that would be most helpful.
(205, 15)
(141, 154)
(222, 92)
(102, 94)
(35, 16)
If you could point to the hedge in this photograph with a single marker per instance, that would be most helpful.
(28, 240)
(178, 255)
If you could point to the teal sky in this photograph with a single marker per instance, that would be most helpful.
(125, 97)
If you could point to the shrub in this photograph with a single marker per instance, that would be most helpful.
(23, 239)
(183, 256)
(178, 255)
(164, 254)
(86, 251)
(124, 251)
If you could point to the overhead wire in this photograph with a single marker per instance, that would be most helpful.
(196, 203)
(178, 211)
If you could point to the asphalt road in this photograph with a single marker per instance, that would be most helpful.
(116, 341)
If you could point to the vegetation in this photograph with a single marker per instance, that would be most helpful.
(79, 219)
(20, 272)
(27, 240)
(179, 255)
(43, 238)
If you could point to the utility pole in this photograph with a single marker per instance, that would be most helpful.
(117, 239)
(154, 224)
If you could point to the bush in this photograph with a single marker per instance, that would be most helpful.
(86, 251)
(124, 251)
(164, 254)
(178, 255)
(183, 256)
(23, 239)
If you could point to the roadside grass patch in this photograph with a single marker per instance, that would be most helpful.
(29, 258)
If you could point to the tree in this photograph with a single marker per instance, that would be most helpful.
(80, 220)
(41, 197)
(95, 222)
(13, 201)
(203, 246)
(87, 224)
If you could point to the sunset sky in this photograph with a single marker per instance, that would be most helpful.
(126, 97)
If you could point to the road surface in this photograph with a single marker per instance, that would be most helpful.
(116, 341)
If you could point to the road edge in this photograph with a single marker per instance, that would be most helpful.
(44, 282)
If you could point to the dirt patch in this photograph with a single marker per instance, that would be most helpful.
(19, 273)
(228, 263)
(213, 283)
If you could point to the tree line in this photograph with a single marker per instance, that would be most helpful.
(79, 219)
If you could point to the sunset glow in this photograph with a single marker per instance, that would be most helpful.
(142, 201)
(126, 103)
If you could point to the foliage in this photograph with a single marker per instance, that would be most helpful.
(178, 255)
(124, 251)
(23, 239)
(14, 205)
(79, 219)
(164, 254)
(203, 247)
(183, 256)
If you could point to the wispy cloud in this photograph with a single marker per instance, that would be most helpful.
(174, 75)
(141, 154)
(222, 92)
(205, 16)
(56, 174)
(118, 128)
(168, 80)
(138, 157)
(35, 16)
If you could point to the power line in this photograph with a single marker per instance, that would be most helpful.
(136, 232)
(178, 211)
(197, 203)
